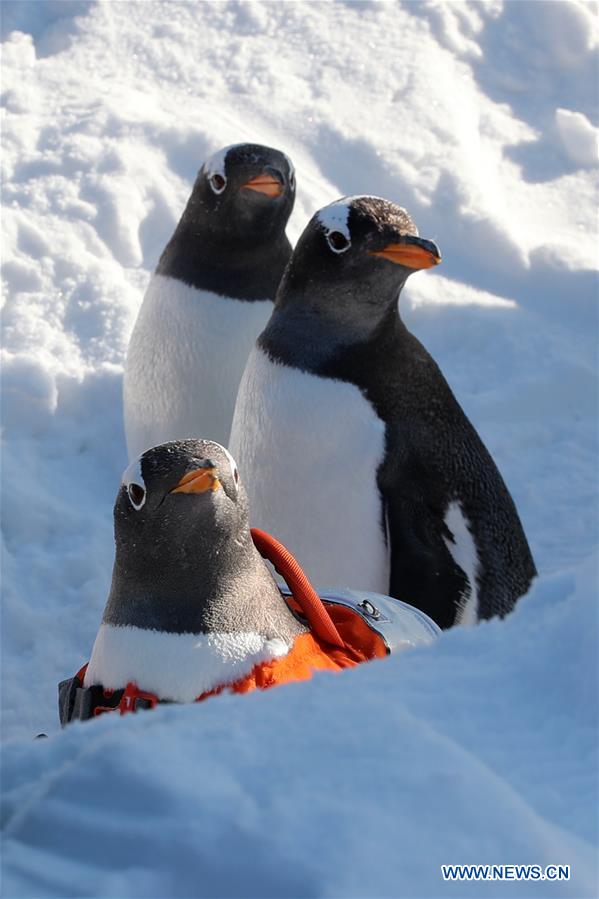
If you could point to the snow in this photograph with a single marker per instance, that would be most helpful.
(479, 119)
(578, 136)
(361, 784)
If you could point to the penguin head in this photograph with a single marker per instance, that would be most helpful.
(363, 249)
(248, 191)
(179, 494)
(185, 560)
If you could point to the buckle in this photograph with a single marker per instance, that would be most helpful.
(369, 609)
(132, 697)
(127, 700)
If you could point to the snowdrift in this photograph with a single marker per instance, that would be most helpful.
(480, 747)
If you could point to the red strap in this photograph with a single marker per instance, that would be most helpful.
(81, 673)
(303, 592)
(128, 701)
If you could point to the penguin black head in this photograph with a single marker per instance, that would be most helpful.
(231, 238)
(185, 560)
(247, 191)
(357, 251)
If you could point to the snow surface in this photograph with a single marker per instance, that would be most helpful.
(480, 119)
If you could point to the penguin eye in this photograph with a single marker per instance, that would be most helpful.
(292, 180)
(338, 242)
(236, 476)
(217, 183)
(137, 495)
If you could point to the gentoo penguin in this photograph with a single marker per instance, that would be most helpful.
(209, 298)
(192, 604)
(193, 608)
(376, 478)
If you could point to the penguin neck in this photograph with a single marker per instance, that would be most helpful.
(228, 590)
(238, 269)
(308, 334)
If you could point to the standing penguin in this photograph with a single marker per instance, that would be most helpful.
(193, 608)
(209, 298)
(376, 478)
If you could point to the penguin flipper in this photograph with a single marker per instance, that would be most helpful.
(423, 572)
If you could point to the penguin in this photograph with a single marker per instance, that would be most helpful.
(192, 604)
(377, 480)
(209, 298)
(193, 608)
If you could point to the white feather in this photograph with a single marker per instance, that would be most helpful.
(179, 667)
(464, 554)
(133, 475)
(185, 360)
(215, 165)
(308, 449)
(335, 216)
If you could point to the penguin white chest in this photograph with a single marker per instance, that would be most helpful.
(178, 667)
(308, 450)
(186, 356)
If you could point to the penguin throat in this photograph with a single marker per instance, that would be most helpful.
(241, 270)
(223, 592)
(310, 336)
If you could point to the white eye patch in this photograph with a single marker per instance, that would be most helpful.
(215, 165)
(335, 217)
(135, 485)
(334, 220)
(233, 464)
(215, 170)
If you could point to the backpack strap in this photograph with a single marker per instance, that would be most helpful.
(302, 590)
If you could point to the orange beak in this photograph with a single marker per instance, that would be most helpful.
(265, 184)
(199, 481)
(409, 254)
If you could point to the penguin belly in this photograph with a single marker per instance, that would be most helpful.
(186, 357)
(308, 449)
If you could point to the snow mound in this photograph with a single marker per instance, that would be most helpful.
(478, 748)
(578, 136)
